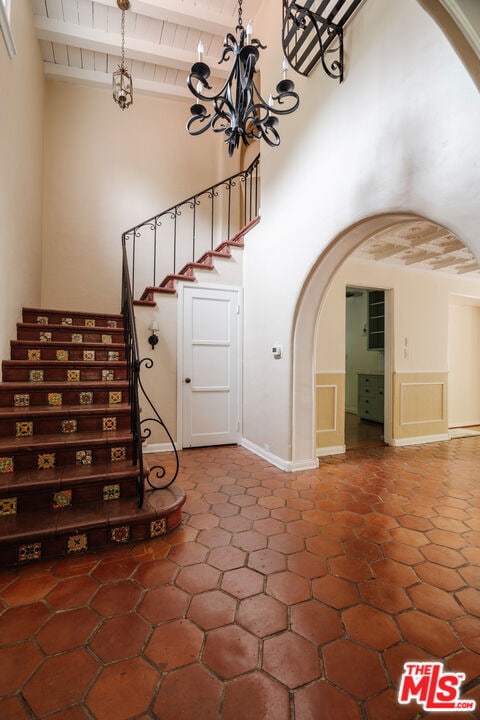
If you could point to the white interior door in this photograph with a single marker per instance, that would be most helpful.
(211, 378)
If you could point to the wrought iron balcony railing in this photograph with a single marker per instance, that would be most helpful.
(313, 32)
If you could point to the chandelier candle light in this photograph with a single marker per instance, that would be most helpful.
(238, 109)
(122, 80)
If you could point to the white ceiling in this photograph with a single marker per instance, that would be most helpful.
(420, 245)
(80, 40)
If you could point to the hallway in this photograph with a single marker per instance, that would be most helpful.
(282, 596)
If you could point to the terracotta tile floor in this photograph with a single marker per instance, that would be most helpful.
(281, 596)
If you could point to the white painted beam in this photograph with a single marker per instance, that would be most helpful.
(99, 79)
(86, 38)
(184, 13)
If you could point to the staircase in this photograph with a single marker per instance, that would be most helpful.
(68, 480)
(205, 262)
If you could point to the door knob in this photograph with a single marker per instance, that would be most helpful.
(188, 380)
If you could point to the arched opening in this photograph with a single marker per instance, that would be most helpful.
(416, 358)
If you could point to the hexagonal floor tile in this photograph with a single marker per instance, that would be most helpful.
(291, 659)
(354, 668)
(60, 681)
(262, 615)
(122, 690)
(242, 582)
(175, 644)
(120, 637)
(231, 651)
(201, 702)
(256, 696)
(316, 622)
(212, 609)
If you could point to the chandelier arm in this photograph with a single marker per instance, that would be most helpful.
(256, 43)
(200, 118)
(280, 98)
(231, 46)
(266, 136)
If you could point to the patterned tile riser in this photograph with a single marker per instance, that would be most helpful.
(62, 499)
(29, 552)
(66, 457)
(8, 506)
(57, 318)
(48, 359)
(59, 499)
(38, 395)
(24, 429)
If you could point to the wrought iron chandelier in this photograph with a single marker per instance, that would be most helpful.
(121, 78)
(239, 109)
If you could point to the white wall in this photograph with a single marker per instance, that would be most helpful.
(464, 362)
(21, 166)
(399, 135)
(426, 311)
(106, 171)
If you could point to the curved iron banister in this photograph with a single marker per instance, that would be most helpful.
(223, 216)
(134, 365)
(247, 184)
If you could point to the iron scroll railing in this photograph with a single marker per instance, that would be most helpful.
(157, 248)
(167, 242)
(139, 426)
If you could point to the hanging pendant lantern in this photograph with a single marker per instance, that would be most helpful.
(121, 79)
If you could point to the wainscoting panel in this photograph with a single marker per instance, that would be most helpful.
(330, 408)
(420, 405)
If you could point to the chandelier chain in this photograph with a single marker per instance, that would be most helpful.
(123, 39)
(240, 12)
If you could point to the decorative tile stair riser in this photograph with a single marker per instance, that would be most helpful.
(66, 448)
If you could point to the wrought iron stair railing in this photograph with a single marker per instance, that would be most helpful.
(228, 210)
(159, 477)
(167, 242)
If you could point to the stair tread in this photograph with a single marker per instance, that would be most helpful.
(59, 440)
(27, 480)
(105, 329)
(72, 313)
(34, 526)
(32, 411)
(58, 384)
(34, 364)
(38, 344)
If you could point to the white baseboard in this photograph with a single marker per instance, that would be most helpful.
(266, 455)
(285, 465)
(332, 450)
(299, 465)
(419, 440)
(158, 447)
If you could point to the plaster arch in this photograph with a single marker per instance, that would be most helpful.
(460, 22)
(305, 320)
